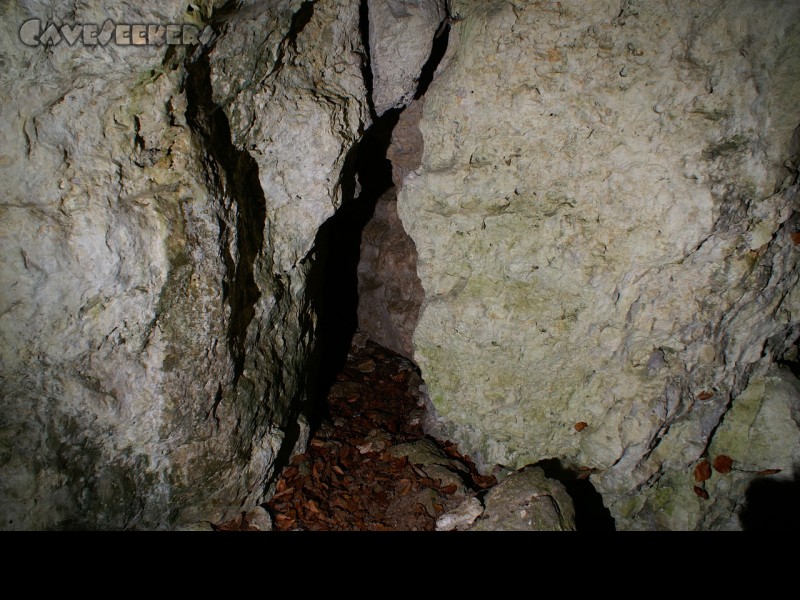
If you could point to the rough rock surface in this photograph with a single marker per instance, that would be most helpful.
(406, 145)
(389, 291)
(761, 436)
(606, 220)
(401, 34)
(462, 517)
(527, 501)
(157, 322)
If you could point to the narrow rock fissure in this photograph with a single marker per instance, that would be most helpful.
(244, 226)
(369, 464)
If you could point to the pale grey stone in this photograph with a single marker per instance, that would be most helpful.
(586, 258)
(433, 463)
(199, 526)
(155, 328)
(527, 501)
(259, 518)
(462, 517)
(401, 34)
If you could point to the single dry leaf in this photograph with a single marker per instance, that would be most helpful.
(796, 238)
(705, 395)
(702, 471)
(769, 472)
(284, 522)
(723, 464)
(449, 489)
(338, 470)
(701, 492)
(581, 425)
(285, 492)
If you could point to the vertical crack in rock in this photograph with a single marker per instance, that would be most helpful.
(389, 290)
(401, 36)
(299, 20)
(240, 180)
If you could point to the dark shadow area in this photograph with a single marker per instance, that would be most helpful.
(429, 69)
(367, 175)
(791, 360)
(339, 249)
(772, 504)
(590, 513)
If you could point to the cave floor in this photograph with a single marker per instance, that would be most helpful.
(348, 479)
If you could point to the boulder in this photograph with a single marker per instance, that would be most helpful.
(606, 226)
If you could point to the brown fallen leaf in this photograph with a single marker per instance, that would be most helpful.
(313, 506)
(484, 481)
(337, 469)
(769, 472)
(705, 395)
(796, 238)
(419, 472)
(405, 487)
(723, 464)
(284, 522)
(581, 425)
(702, 471)
(701, 492)
(449, 489)
(286, 492)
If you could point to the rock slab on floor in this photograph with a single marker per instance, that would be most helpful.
(527, 500)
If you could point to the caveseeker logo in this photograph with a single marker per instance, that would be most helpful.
(33, 33)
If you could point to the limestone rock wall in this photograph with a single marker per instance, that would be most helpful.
(158, 218)
(389, 291)
(606, 218)
(401, 34)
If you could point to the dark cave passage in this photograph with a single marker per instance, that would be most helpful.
(340, 237)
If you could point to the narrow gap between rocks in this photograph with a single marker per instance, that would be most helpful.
(369, 464)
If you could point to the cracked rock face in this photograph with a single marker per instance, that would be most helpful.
(159, 214)
(604, 218)
(401, 34)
